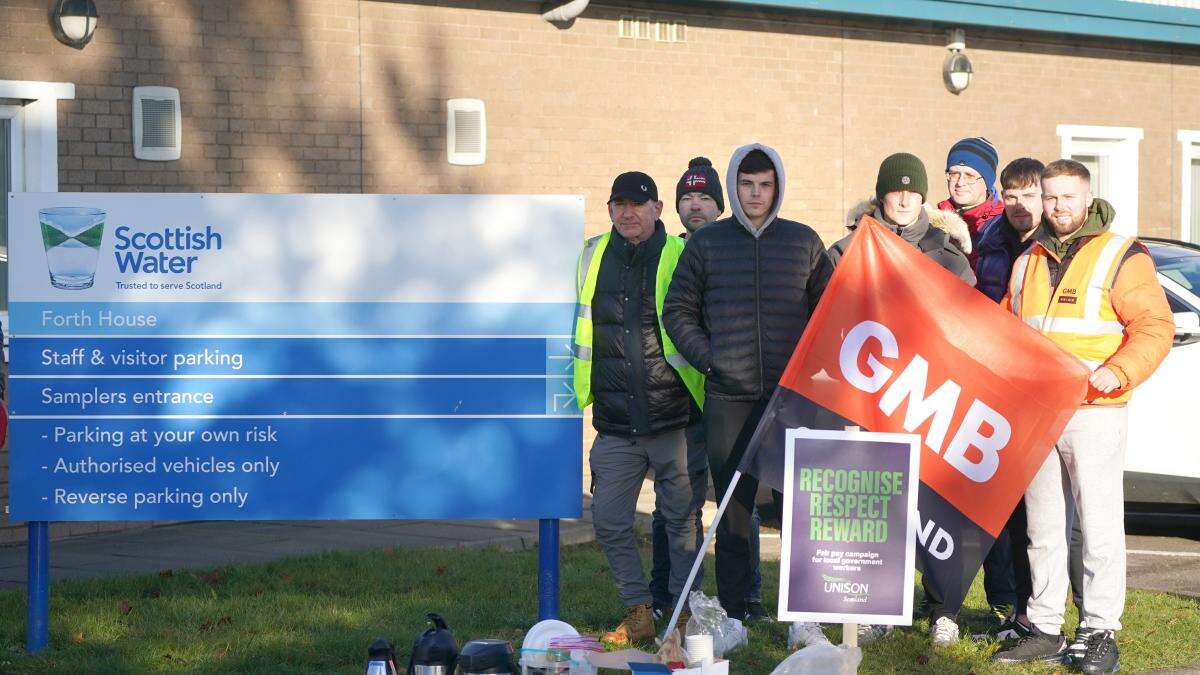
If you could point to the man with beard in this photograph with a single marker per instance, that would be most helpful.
(1095, 294)
(1006, 567)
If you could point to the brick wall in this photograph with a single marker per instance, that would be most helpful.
(349, 96)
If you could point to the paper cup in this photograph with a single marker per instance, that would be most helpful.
(699, 650)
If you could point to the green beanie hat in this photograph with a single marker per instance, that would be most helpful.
(899, 172)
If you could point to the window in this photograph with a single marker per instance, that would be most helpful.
(1190, 215)
(1183, 270)
(10, 181)
(28, 153)
(1111, 155)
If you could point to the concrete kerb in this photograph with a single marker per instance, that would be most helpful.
(205, 544)
(172, 547)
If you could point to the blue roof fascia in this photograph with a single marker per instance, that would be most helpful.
(1102, 18)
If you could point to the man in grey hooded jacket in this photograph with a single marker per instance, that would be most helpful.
(738, 302)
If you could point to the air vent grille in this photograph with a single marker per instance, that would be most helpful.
(675, 31)
(468, 130)
(635, 28)
(642, 28)
(157, 132)
(158, 123)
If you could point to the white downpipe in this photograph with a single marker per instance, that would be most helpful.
(565, 12)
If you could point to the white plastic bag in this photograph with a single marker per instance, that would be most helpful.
(709, 617)
(821, 659)
(803, 634)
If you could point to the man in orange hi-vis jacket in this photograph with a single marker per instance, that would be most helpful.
(1095, 294)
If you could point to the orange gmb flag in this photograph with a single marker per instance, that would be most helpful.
(898, 344)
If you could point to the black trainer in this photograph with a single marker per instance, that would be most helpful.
(1012, 629)
(1101, 655)
(1036, 646)
(1078, 647)
(756, 613)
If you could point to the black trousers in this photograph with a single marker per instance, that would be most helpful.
(1006, 580)
(728, 426)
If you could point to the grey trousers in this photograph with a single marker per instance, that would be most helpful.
(660, 568)
(1084, 475)
(619, 464)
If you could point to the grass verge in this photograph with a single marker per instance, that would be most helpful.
(318, 613)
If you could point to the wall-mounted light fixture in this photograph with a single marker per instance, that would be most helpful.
(73, 21)
(562, 13)
(956, 69)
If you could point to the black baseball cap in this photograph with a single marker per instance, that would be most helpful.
(635, 186)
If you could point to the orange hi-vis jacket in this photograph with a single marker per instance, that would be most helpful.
(1108, 308)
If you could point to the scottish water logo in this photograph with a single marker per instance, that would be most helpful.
(71, 236)
(143, 252)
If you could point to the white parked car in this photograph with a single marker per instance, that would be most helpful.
(1162, 464)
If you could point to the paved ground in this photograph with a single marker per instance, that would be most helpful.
(1164, 554)
(205, 544)
(1162, 557)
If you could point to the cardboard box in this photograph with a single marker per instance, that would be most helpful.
(718, 667)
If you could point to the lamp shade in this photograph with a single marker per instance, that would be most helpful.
(73, 22)
(956, 72)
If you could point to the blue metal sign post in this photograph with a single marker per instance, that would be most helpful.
(275, 357)
(548, 569)
(37, 626)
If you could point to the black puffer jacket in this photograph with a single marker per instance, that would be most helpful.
(740, 298)
(637, 393)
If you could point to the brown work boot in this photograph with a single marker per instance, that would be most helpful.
(684, 616)
(638, 625)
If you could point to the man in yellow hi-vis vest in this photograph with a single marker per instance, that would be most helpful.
(645, 394)
(1095, 294)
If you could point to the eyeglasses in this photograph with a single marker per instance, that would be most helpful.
(962, 178)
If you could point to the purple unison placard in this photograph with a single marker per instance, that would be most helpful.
(849, 527)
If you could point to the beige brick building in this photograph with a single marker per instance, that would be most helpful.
(350, 96)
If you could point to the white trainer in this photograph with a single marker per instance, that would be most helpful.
(870, 632)
(804, 634)
(943, 632)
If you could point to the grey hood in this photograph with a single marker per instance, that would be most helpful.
(731, 186)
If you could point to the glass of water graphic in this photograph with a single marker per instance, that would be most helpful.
(72, 236)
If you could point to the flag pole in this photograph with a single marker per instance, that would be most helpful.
(708, 538)
(849, 630)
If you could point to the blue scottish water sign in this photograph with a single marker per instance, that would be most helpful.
(219, 356)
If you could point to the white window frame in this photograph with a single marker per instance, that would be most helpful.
(1190, 143)
(16, 150)
(33, 109)
(16, 154)
(38, 103)
(1077, 139)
